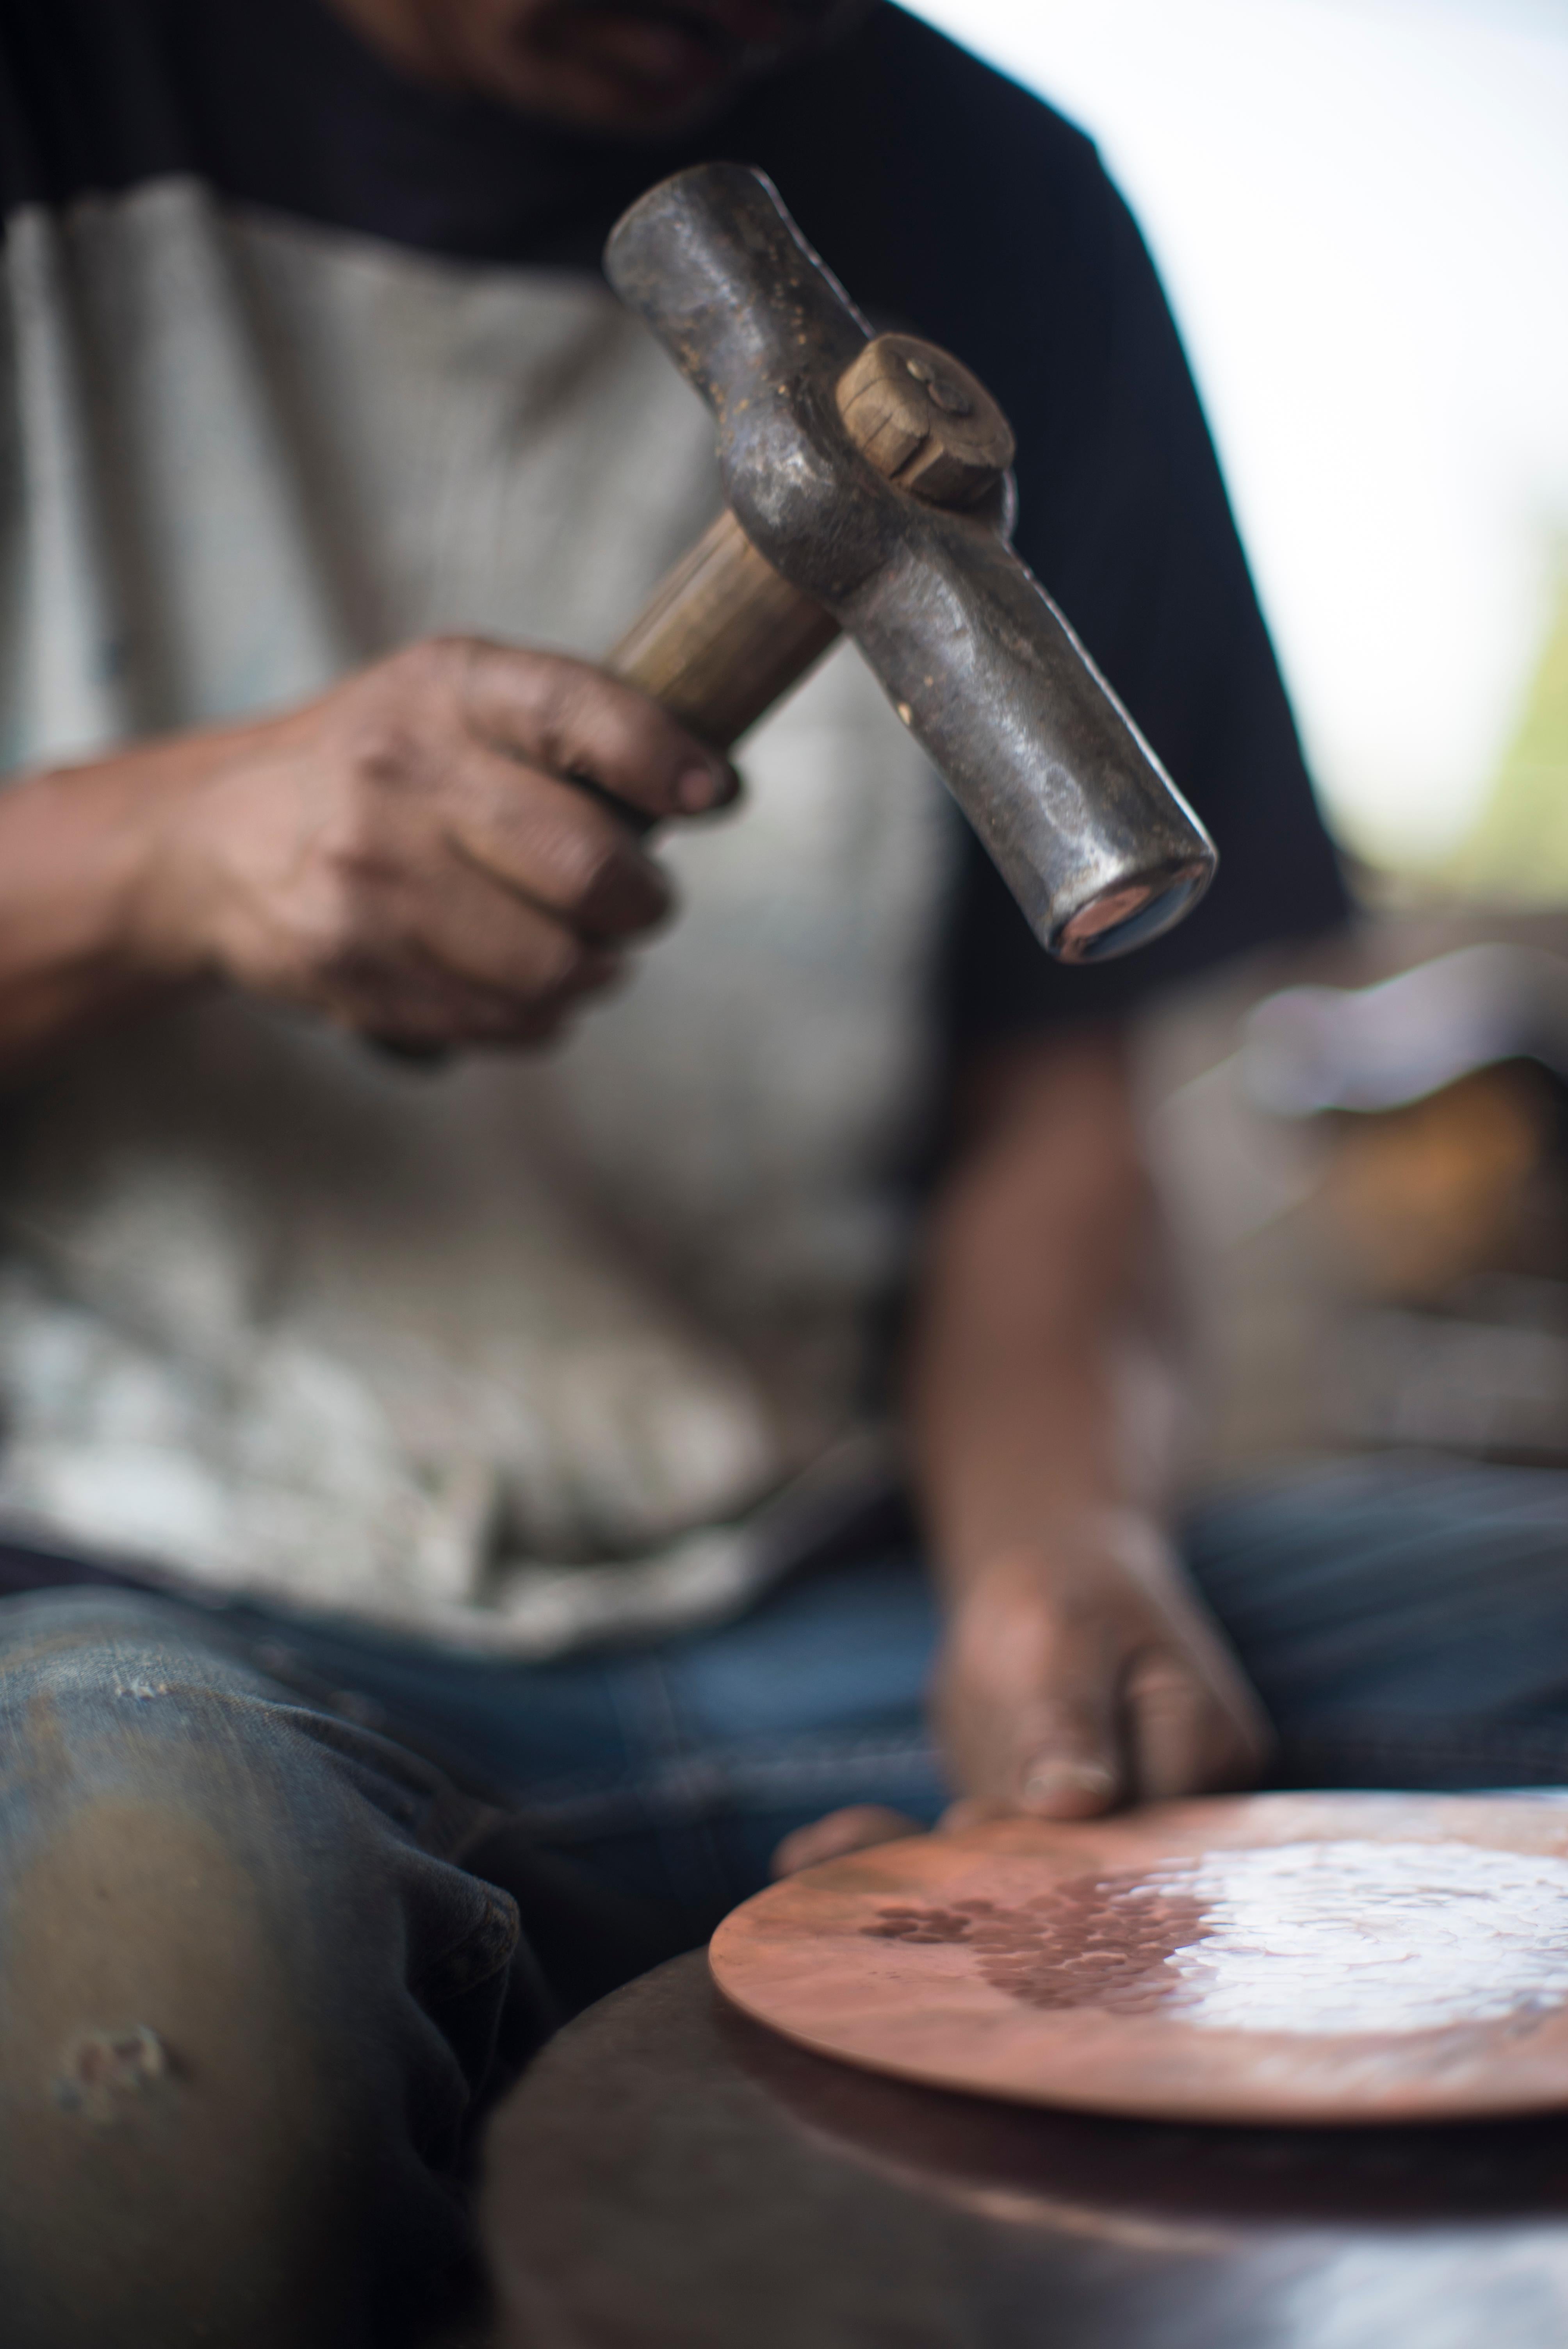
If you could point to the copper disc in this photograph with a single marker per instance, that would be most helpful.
(1278, 1958)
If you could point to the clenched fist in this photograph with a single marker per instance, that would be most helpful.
(411, 855)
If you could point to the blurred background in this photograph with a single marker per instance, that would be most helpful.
(1360, 211)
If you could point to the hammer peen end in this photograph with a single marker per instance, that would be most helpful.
(1130, 915)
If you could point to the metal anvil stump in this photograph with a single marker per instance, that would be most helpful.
(868, 491)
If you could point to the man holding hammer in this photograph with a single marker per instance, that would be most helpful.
(409, 1429)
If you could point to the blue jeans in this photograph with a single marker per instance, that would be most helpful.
(1405, 1623)
(281, 1903)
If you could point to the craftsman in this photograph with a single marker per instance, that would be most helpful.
(406, 1425)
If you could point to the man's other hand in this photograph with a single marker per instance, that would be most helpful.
(1072, 1679)
(1085, 1674)
(410, 855)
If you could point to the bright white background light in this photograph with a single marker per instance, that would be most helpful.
(1360, 210)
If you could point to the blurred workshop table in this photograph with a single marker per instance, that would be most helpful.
(669, 2173)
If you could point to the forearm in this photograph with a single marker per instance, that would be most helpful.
(77, 855)
(1078, 1667)
(1041, 1389)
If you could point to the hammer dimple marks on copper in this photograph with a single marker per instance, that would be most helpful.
(1091, 1942)
(1315, 1938)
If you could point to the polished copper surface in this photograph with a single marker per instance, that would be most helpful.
(1282, 1958)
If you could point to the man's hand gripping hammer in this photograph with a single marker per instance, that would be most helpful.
(869, 491)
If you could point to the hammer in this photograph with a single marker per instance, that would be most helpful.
(869, 491)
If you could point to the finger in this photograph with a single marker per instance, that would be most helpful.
(421, 1025)
(575, 720)
(1071, 1775)
(1187, 1737)
(858, 1828)
(1170, 1732)
(409, 1002)
(542, 840)
(1070, 1764)
(1028, 1701)
(472, 929)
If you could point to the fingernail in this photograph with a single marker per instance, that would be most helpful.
(1053, 1782)
(697, 789)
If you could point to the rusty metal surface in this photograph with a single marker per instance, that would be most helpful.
(1090, 834)
(670, 2172)
(1303, 1958)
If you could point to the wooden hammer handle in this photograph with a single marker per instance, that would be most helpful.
(724, 635)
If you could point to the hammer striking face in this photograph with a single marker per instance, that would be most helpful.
(1093, 839)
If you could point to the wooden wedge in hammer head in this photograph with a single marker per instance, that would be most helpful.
(869, 491)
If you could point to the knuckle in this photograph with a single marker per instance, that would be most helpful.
(387, 724)
(380, 749)
(435, 664)
(581, 705)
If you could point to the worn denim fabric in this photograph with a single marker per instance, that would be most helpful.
(1406, 1623)
(257, 1931)
(248, 1995)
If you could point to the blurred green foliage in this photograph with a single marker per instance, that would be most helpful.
(1518, 847)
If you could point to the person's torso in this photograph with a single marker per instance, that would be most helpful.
(282, 1312)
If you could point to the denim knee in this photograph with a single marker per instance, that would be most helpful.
(244, 1995)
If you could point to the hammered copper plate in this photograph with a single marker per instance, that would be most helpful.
(1277, 1958)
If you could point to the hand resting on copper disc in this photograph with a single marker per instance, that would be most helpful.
(1071, 1681)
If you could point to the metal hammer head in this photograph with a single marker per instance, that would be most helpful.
(1092, 837)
